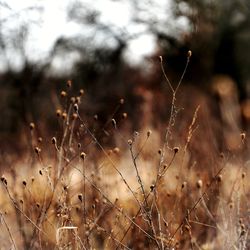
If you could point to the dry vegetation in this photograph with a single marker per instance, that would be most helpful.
(182, 185)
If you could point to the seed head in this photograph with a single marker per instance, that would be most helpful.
(37, 150)
(76, 107)
(74, 116)
(199, 184)
(130, 142)
(116, 150)
(32, 125)
(81, 92)
(83, 155)
(69, 83)
(189, 54)
(64, 115)
(113, 123)
(243, 175)
(124, 115)
(80, 197)
(243, 232)
(72, 99)
(63, 93)
(184, 184)
(3, 180)
(176, 150)
(58, 112)
(219, 178)
(78, 99)
(149, 132)
(243, 136)
(53, 140)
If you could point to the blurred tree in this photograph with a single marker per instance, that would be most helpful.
(219, 37)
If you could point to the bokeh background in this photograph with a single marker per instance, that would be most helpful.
(111, 49)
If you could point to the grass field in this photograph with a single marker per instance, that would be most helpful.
(180, 184)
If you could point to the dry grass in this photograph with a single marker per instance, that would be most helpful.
(179, 186)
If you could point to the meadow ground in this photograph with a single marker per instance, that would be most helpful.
(178, 182)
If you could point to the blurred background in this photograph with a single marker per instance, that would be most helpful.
(111, 49)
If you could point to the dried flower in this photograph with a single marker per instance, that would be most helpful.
(83, 155)
(69, 83)
(124, 115)
(130, 142)
(80, 197)
(74, 116)
(53, 140)
(81, 92)
(58, 112)
(63, 93)
(176, 150)
(37, 150)
(113, 122)
(76, 107)
(149, 132)
(32, 125)
(199, 184)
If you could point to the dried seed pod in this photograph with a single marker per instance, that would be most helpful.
(37, 150)
(149, 132)
(124, 115)
(113, 123)
(83, 155)
(81, 92)
(219, 178)
(74, 116)
(69, 83)
(53, 140)
(243, 136)
(176, 150)
(64, 115)
(199, 184)
(58, 112)
(116, 150)
(72, 99)
(3, 180)
(130, 142)
(183, 185)
(32, 125)
(63, 93)
(76, 107)
(80, 197)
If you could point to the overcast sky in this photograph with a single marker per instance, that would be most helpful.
(51, 22)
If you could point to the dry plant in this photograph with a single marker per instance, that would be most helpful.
(76, 192)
